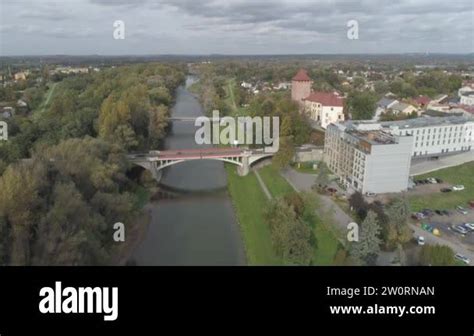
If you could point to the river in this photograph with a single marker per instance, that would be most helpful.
(200, 227)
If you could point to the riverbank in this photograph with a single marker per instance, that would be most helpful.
(134, 233)
(250, 202)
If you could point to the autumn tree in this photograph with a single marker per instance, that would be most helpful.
(291, 237)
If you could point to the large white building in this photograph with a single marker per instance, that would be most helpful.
(467, 98)
(432, 136)
(368, 160)
(375, 157)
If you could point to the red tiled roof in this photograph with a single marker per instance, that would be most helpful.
(302, 76)
(422, 100)
(325, 99)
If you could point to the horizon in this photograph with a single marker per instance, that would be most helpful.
(245, 55)
(235, 27)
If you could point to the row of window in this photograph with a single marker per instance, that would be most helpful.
(423, 144)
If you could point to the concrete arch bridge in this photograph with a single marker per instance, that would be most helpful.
(156, 161)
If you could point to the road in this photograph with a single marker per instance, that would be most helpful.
(428, 166)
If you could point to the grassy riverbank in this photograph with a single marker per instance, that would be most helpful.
(250, 203)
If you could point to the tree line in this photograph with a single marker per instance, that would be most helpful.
(63, 181)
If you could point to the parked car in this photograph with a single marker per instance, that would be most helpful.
(427, 212)
(446, 212)
(460, 229)
(418, 216)
(370, 194)
(439, 212)
(461, 210)
(458, 187)
(469, 226)
(427, 227)
(462, 258)
(439, 180)
(431, 180)
(421, 240)
(445, 190)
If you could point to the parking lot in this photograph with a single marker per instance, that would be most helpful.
(445, 225)
(440, 209)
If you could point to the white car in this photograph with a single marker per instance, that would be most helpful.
(462, 258)
(461, 210)
(470, 226)
(421, 240)
(458, 187)
(460, 229)
(431, 180)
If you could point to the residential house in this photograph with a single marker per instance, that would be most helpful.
(403, 108)
(422, 101)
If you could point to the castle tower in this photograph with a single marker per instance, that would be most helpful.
(301, 86)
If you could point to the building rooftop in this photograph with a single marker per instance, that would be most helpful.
(425, 121)
(428, 121)
(374, 137)
(302, 76)
(325, 99)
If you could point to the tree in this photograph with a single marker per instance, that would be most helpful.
(361, 105)
(295, 200)
(367, 248)
(436, 255)
(359, 205)
(291, 237)
(397, 231)
(322, 179)
(157, 124)
(285, 153)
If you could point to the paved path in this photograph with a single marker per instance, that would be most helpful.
(428, 166)
(304, 182)
(262, 184)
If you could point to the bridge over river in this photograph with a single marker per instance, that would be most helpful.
(243, 158)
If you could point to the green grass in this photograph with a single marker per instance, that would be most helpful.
(275, 183)
(249, 202)
(48, 97)
(327, 244)
(463, 174)
(229, 89)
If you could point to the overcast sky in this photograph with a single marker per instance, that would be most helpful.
(81, 27)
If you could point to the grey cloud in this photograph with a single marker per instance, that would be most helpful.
(220, 26)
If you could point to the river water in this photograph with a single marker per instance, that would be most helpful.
(198, 227)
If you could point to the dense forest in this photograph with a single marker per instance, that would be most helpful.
(63, 180)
